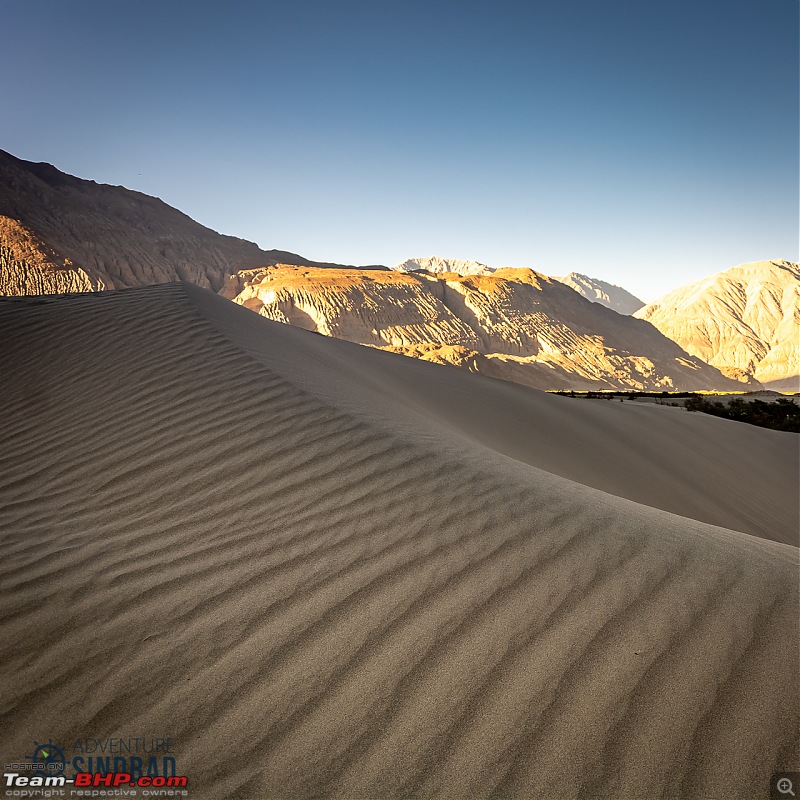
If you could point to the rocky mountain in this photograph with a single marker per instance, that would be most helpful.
(438, 266)
(607, 294)
(744, 321)
(514, 324)
(59, 234)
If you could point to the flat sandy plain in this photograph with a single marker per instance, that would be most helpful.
(329, 571)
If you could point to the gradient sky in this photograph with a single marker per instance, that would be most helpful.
(646, 142)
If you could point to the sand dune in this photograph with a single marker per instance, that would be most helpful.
(733, 475)
(328, 571)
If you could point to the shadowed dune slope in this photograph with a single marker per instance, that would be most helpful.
(726, 473)
(323, 581)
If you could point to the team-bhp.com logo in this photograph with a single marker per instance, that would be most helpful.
(84, 779)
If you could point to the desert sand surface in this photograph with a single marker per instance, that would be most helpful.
(328, 571)
(728, 474)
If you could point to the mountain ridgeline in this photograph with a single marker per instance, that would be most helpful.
(607, 294)
(744, 321)
(514, 324)
(439, 266)
(61, 234)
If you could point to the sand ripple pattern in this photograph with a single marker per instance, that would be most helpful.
(195, 545)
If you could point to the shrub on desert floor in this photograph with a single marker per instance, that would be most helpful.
(782, 415)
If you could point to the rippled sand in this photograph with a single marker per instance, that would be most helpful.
(328, 571)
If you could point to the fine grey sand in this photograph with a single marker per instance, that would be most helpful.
(328, 571)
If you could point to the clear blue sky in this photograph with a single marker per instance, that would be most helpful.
(647, 142)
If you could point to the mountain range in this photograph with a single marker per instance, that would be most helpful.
(439, 266)
(594, 289)
(514, 324)
(744, 321)
(60, 234)
(607, 294)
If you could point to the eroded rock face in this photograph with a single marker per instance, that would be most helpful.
(60, 234)
(744, 321)
(29, 266)
(515, 324)
(379, 308)
(607, 294)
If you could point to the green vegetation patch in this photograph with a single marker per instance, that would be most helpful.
(781, 415)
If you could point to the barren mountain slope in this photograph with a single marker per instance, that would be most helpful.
(330, 572)
(607, 294)
(743, 320)
(515, 324)
(60, 233)
(376, 307)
